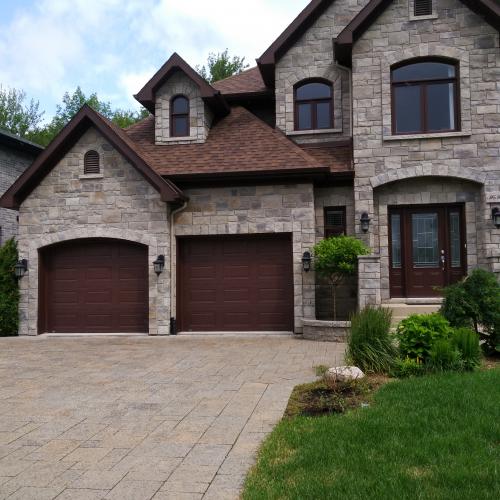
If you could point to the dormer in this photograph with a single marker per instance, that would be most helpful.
(183, 103)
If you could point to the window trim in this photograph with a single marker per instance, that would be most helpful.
(176, 115)
(314, 103)
(86, 159)
(423, 94)
(325, 218)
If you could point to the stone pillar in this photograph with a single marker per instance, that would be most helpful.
(369, 280)
(494, 265)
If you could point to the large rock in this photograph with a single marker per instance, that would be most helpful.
(344, 374)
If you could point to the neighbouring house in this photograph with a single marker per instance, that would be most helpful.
(16, 155)
(376, 118)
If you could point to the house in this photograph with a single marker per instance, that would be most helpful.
(374, 118)
(16, 155)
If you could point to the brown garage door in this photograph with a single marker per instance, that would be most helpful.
(94, 286)
(241, 283)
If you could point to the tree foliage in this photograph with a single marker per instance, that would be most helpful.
(9, 291)
(221, 65)
(17, 115)
(336, 258)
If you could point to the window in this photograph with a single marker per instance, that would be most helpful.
(335, 221)
(179, 116)
(91, 163)
(313, 106)
(425, 97)
(422, 8)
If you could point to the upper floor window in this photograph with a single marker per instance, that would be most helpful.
(91, 163)
(425, 97)
(422, 8)
(179, 116)
(313, 106)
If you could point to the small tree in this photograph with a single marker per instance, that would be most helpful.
(337, 258)
(220, 66)
(9, 291)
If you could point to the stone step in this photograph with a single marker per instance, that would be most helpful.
(401, 311)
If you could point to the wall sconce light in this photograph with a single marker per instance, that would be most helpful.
(365, 222)
(495, 216)
(21, 268)
(306, 261)
(159, 264)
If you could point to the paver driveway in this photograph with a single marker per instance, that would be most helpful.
(138, 418)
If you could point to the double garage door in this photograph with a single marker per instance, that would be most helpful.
(242, 283)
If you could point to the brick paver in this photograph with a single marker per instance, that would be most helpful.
(143, 417)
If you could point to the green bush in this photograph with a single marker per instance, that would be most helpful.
(444, 356)
(9, 291)
(418, 333)
(408, 367)
(467, 342)
(370, 345)
(337, 258)
(475, 302)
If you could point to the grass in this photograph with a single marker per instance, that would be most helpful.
(422, 438)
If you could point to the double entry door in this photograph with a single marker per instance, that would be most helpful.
(427, 249)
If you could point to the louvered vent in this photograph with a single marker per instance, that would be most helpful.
(91, 163)
(423, 8)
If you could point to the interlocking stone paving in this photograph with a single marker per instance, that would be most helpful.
(141, 417)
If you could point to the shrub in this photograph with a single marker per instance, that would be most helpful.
(370, 345)
(418, 333)
(336, 258)
(467, 343)
(9, 291)
(475, 302)
(408, 367)
(444, 356)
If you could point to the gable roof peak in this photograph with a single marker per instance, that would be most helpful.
(146, 96)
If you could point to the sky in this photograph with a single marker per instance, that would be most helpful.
(113, 47)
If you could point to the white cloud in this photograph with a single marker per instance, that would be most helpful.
(113, 47)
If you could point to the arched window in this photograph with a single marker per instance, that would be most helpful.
(91, 164)
(179, 116)
(425, 97)
(313, 105)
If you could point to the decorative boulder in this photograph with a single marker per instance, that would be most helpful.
(344, 374)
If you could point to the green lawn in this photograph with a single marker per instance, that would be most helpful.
(435, 437)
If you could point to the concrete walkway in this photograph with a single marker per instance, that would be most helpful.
(139, 418)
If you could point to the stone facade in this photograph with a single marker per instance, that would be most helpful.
(12, 164)
(284, 208)
(200, 117)
(440, 168)
(118, 203)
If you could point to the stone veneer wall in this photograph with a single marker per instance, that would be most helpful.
(312, 56)
(119, 204)
(199, 114)
(12, 164)
(472, 154)
(287, 208)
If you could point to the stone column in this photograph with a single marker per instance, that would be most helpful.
(369, 280)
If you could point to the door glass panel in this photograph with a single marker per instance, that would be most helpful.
(456, 257)
(396, 240)
(425, 240)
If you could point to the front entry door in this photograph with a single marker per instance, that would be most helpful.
(427, 249)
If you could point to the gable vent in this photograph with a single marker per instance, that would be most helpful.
(423, 8)
(91, 163)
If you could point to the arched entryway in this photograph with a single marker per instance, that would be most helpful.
(94, 285)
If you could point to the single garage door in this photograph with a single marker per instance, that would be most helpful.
(94, 286)
(241, 283)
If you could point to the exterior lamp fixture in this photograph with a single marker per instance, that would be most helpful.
(306, 261)
(21, 268)
(159, 264)
(495, 215)
(365, 222)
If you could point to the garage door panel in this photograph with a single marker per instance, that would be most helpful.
(96, 285)
(250, 277)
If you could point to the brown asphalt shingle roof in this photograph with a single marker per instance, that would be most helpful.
(239, 143)
(337, 157)
(248, 81)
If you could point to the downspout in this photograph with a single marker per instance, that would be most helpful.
(349, 72)
(173, 277)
